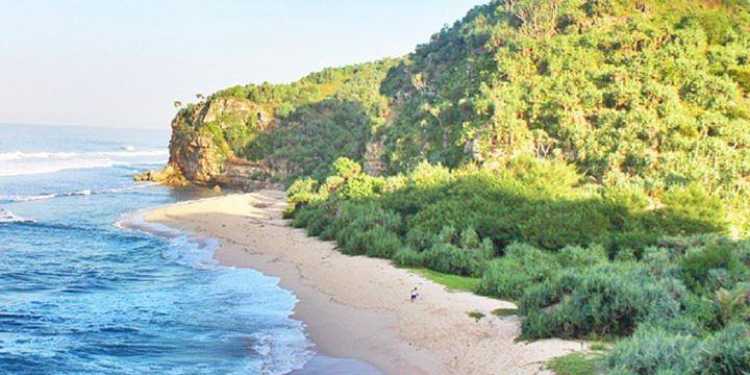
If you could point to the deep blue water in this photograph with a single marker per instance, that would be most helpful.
(80, 295)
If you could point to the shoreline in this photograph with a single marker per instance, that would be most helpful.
(358, 307)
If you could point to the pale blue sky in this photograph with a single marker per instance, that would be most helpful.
(122, 63)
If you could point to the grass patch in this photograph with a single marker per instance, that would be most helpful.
(501, 312)
(574, 364)
(452, 282)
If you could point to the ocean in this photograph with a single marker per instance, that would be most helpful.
(80, 294)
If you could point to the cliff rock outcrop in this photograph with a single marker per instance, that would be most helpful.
(199, 148)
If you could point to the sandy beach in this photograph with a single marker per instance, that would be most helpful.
(358, 307)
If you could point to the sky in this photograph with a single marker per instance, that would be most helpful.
(119, 63)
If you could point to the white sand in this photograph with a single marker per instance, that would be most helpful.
(358, 307)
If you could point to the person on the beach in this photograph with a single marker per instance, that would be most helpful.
(414, 294)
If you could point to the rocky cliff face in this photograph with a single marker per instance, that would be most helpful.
(198, 148)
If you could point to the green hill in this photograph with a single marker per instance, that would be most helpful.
(648, 93)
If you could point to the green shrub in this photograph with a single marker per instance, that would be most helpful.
(653, 350)
(469, 239)
(629, 199)
(434, 218)
(702, 268)
(426, 176)
(537, 173)
(418, 238)
(448, 258)
(302, 191)
(628, 245)
(727, 352)
(575, 223)
(690, 210)
(733, 305)
(577, 256)
(406, 257)
(306, 216)
(742, 77)
(607, 300)
(329, 232)
(703, 312)
(346, 168)
(318, 222)
(656, 351)
(521, 267)
(352, 241)
(331, 185)
(382, 243)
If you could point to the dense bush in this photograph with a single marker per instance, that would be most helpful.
(653, 350)
(366, 229)
(460, 254)
(656, 351)
(523, 266)
(447, 258)
(517, 232)
(733, 305)
(406, 257)
(577, 256)
(712, 267)
(382, 243)
(605, 300)
(728, 351)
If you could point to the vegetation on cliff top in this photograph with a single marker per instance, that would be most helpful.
(589, 159)
(302, 127)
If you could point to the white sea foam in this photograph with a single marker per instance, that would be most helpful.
(185, 248)
(86, 192)
(25, 163)
(127, 152)
(9, 217)
(26, 198)
(282, 351)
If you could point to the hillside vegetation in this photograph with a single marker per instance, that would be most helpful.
(588, 159)
(298, 129)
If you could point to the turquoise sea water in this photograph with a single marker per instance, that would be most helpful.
(80, 295)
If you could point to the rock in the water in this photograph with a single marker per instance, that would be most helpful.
(168, 176)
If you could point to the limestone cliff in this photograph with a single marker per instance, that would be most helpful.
(199, 148)
(250, 136)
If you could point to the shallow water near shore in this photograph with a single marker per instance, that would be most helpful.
(80, 295)
(322, 365)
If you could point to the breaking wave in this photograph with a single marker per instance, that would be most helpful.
(41, 197)
(19, 163)
(128, 152)
(9, 217)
